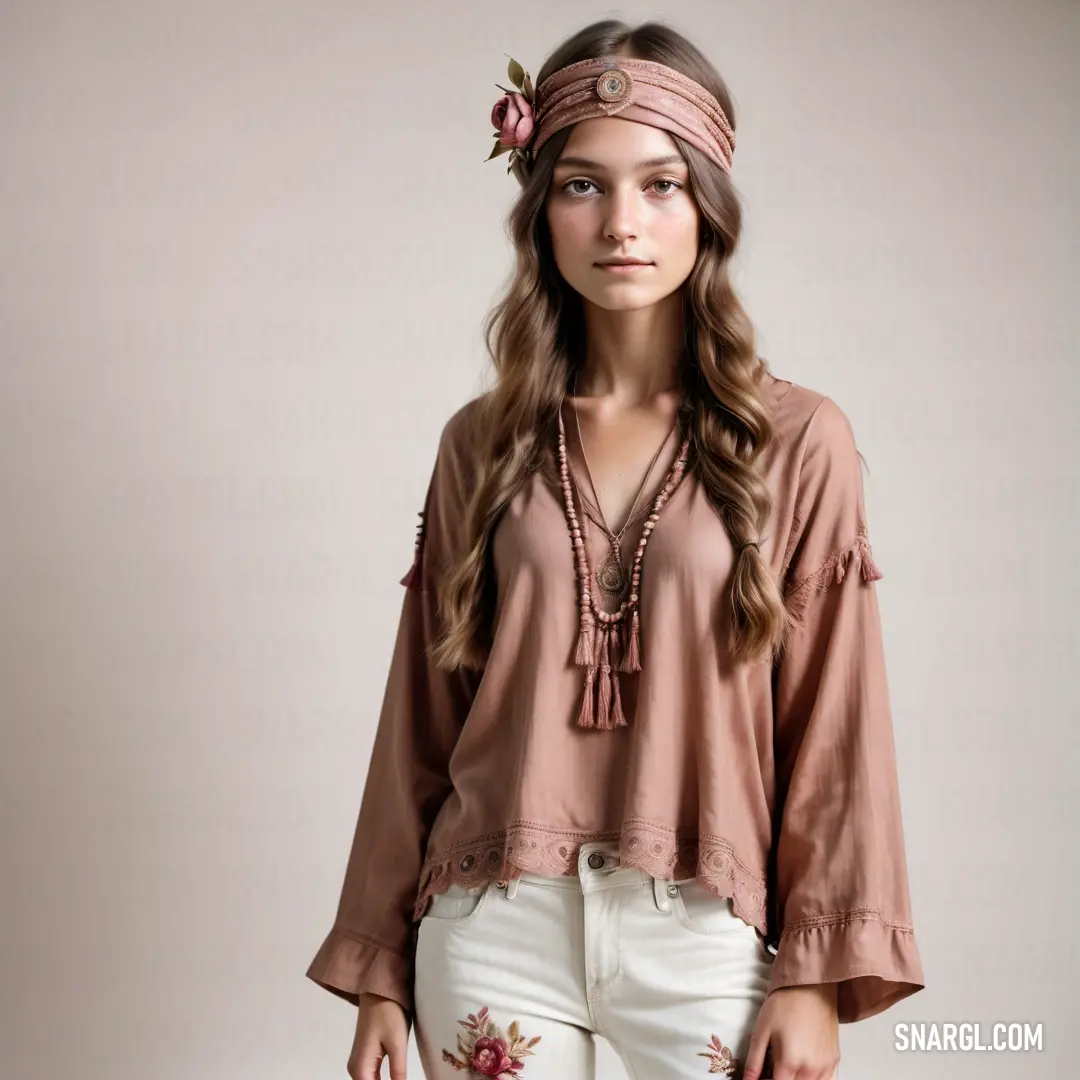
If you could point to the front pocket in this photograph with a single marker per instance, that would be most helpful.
(457, 903)
(704, 912)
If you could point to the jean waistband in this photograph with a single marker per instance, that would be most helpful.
(598, 866)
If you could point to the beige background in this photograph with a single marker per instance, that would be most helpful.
(246, 250)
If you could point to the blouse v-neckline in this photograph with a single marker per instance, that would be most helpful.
(644, 510)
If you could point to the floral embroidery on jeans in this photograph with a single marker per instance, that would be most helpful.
(721, 1059)
(487, 1051)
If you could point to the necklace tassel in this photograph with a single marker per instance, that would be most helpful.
(583, 656)
(586, 718)
(603, 712)
(631, 661)
(617, 716)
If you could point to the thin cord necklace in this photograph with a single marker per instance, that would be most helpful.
(612, 577)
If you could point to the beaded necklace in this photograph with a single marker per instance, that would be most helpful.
(602, 648)
(611, 575)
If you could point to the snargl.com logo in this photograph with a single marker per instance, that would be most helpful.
(1014, 1037)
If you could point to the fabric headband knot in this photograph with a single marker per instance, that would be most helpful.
(641, 90)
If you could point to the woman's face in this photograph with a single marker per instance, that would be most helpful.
(611, 198)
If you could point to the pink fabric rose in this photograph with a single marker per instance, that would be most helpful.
(512, 117)
(489, 1057)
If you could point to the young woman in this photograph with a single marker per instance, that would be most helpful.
(634, 771)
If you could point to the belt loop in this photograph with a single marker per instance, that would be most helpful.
(662, 895)
(511, 888)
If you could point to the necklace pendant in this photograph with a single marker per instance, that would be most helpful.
(611, 576)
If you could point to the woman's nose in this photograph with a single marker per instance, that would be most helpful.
(621, 218)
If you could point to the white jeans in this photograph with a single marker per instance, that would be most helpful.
(531, 971)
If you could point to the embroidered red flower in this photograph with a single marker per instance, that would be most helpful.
(487, 1051)
(489, 1057)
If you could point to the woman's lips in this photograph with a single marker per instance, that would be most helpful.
(623, 268)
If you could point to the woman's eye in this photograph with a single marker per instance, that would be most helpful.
(671, 185)
(569, 186)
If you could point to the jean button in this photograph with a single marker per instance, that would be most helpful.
(673, 890)
(596, 860)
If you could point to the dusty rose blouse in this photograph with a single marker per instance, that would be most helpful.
(775, 785)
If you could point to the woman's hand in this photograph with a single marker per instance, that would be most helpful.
(382, 1029)
(799, 1024)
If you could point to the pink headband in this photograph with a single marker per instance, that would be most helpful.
(640, 90)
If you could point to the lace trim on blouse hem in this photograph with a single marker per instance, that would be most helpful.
(659, 850)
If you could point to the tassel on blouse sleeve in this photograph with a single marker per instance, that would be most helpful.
(842, 904)
(370, 947)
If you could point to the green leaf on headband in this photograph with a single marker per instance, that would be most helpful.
(516, 72)
(496, 150)
(529, 92)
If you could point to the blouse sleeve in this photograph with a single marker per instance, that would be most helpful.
(370, 947)
(842, 902)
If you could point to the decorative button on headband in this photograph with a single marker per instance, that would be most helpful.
(641, 90)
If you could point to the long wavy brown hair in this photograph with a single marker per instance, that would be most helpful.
(534, 335)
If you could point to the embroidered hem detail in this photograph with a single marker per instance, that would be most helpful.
(664, 852)
(858, 557)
